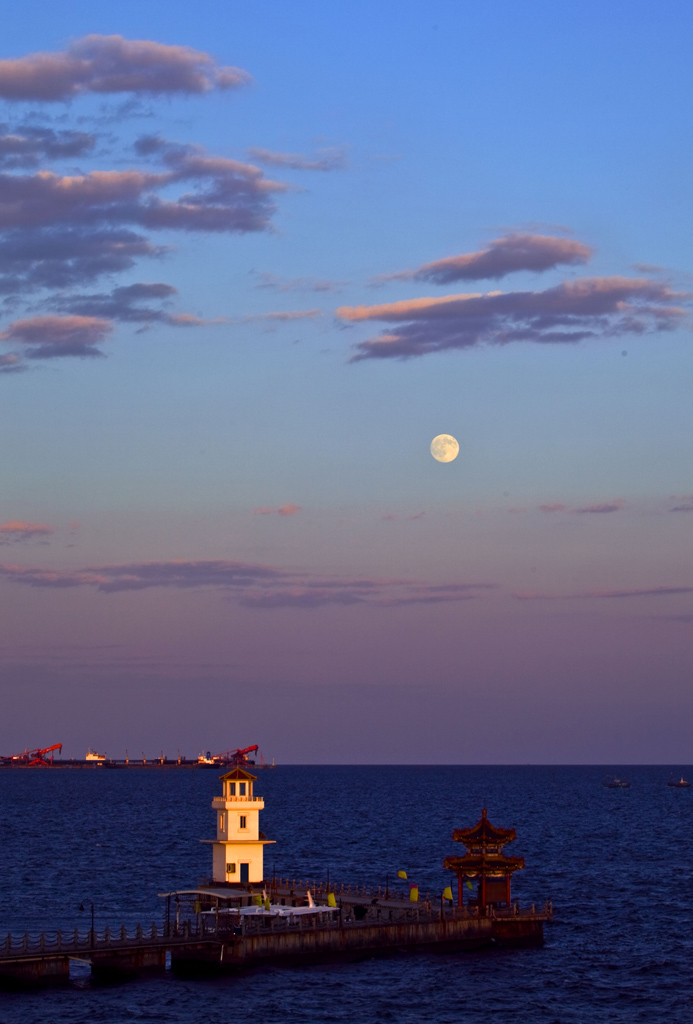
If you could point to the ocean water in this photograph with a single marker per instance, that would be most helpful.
(617, 865)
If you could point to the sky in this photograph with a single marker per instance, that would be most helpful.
(253, 258)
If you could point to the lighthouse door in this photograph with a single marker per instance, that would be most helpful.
(244, 872)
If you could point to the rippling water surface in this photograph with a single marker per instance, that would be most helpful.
(615, 863)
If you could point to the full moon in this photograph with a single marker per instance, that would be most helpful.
(444, 448)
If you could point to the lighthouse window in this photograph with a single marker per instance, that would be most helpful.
(241, 788)
(221, 822)
(242, 825)
(232, 788)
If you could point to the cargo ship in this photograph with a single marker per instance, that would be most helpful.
(44, 757)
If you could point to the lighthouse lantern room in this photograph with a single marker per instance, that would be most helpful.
(237, 852)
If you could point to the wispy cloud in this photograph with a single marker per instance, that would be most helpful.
(113, 64)
(283, 510)
(591, 595)
(27, 145)
(298, 284)
(684, 503)
(588, 308)
(615, 505)
(62, 257)
(62, 232)
(18, 530)
(604, 507)
(392, 516)
(331, 159)
(251, 585)
(506, 255)
(281, 316)
(133, 304)
(11, 363)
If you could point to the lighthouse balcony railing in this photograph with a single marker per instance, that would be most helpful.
(219, 801)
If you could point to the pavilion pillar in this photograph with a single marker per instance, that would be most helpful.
(482, 901)
(459, 890)
(507, 889)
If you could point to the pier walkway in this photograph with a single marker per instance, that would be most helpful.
(226, 942)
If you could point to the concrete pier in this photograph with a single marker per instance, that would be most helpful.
(222, 945)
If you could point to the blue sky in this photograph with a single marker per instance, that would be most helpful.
(562, 530)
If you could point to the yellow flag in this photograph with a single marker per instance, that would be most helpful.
(267, 903)
(331, 901)
(447, 893)
(257, 899)
(469, 884)
(414, 894)
(401, 874)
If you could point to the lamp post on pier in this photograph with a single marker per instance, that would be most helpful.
(91, 930)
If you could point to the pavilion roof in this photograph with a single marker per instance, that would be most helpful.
(483, 863)
(483, 834)
(238, 774)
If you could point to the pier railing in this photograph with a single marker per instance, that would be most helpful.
(229, 925)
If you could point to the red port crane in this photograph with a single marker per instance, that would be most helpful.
(237, 756)
(34, 757)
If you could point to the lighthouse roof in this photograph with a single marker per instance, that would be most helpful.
(484, 834)
(238, 774)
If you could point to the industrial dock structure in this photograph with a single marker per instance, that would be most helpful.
(242, 918)
(45, 757)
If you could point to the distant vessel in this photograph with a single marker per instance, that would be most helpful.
(680, 784)
(93, 756)
(616, 783)
(206, 758)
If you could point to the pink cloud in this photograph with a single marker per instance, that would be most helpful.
(18, 530)
(11, 363)
(600, 307)
(232, 196)
(51, 337)
(601, 507)
(513, 252)
(283, 510)
(113, 64)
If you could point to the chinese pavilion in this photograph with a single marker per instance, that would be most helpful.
(485, 861)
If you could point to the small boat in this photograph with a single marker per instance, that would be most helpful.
(616, 783)
(680, 784)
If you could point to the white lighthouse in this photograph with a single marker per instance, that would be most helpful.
(237, 852)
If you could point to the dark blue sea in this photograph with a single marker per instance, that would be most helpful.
(617, 864)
